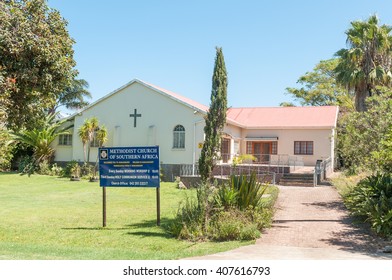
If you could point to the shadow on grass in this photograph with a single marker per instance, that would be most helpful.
(145, 226)
(97, 228)
(147, 234)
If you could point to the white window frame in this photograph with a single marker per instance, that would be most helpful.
(179, 137)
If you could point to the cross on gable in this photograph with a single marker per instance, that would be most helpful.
(135, 115)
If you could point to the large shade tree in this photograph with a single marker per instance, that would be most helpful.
(36, 60)
(367, 62)
(215, 119)
(319, 87)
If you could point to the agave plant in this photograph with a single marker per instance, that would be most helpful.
(249, 190)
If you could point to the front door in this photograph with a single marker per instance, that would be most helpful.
(262, 151)
(257, 151)
(265, 151)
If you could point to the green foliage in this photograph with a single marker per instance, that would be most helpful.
(27, 165)
(73, 97)
(226, 197)
(6, 149)
(233, 224)
(51, 218)
(87, 170)
(69, 168)
(36, 60)
(44, 168)
(383, 157)
(319, 87)
(190, 222)
(243, 158)
(215, 119)
(225, 213)
(363, 136)
(371, 200)
(56, 170)
(41, 138)
(249, 190)
(75, 170)
(90, 130)
(367, 63)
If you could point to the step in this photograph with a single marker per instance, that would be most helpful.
(298, 175)
(296, 183)
(303, 179)
(297, 179)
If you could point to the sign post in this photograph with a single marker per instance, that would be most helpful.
(130, 167)
(104, 206)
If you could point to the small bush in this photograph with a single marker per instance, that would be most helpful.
(221, 214)
(27, 165)
(44, 168)
(233, 224)
(188, 223)
(67, 171)
(371, 200)
(249, 190)
(87, 170)
(225, 197)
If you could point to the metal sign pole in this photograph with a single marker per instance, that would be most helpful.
(104, 206)
(158, 206)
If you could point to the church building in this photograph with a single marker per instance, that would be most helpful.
(142, 114)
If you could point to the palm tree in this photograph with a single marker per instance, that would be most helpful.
(40, 138)
(73, 97)
(367, 63)
(101, 135)
(86, 133)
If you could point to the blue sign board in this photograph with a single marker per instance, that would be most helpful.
(129, 166)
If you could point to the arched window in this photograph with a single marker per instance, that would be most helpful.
(179, 137)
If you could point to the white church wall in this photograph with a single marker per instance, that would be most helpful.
(160, 114)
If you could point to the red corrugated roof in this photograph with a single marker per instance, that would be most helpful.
(270, 117)
(284, 117)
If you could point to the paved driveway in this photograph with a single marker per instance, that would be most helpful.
(310, 223)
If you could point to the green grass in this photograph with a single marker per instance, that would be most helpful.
(45, 217)
(344, 184)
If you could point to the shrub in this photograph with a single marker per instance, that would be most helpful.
(67, 171)
(86, 170)
(27, 165)
(233, 224)
(220, 214)
(189, 220)
(249, 190)
(56, 170)
(371, 200)
(44, 168)
(225, 197)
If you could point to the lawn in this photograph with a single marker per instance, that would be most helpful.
(45, 217)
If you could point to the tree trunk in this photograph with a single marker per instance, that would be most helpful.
(361, 93)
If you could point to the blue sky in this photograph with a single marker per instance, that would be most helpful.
(267, 45)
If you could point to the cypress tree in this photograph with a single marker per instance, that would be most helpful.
(215, 119)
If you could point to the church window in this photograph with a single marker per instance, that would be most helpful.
(179, 137)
